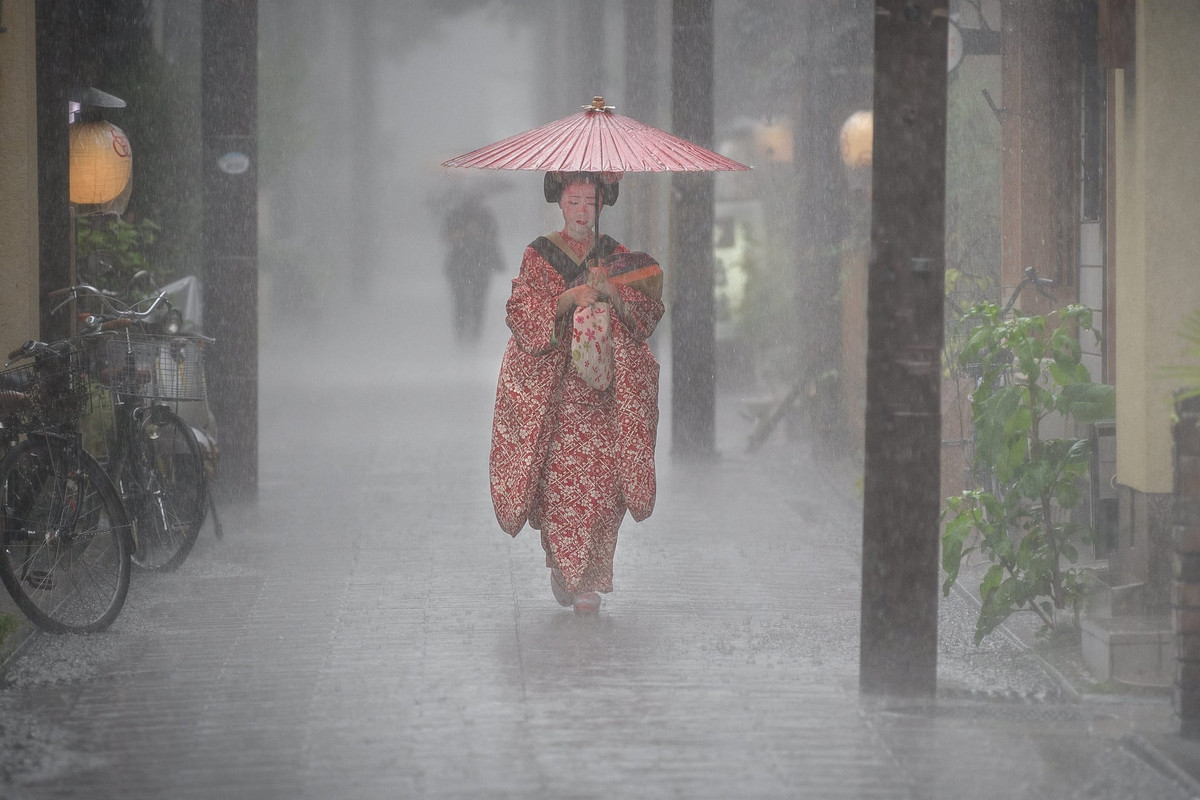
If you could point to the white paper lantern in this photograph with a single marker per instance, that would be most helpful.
(101, 164)
(857, 139)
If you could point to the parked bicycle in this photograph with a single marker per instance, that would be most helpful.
(182, 315)
(150, 451)
(65, 536)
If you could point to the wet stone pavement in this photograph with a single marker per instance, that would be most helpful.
(365, 630)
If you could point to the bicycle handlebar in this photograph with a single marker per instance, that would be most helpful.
(29, 349)
(107, 301)
(23, 350)
(1031, 276)
(92, 322)
(1031, 279)
(89, 289)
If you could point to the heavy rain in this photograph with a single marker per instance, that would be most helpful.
(918, 458)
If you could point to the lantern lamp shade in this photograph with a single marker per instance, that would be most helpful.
(857, 138)
(101, 165)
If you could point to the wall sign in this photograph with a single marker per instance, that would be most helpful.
(233, 163)
(954, 47)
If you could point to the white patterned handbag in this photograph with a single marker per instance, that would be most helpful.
(591, 345)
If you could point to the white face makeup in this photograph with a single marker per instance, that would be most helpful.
(578, 206)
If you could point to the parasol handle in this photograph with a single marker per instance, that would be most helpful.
(598, 105)
(596, 241)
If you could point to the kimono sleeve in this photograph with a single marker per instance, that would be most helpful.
(531, 306)
(642, 312)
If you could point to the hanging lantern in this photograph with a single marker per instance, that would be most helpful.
(101, 167)
(857, 137)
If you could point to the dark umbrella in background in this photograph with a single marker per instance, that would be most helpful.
(596, 140)
(450, 195)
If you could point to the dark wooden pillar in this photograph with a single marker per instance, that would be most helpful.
(55, 69)
(902, 494)
(1040, 137)
(690, 280)
(641, 101)
(1185, 590)
(366, 198)
(229, 87)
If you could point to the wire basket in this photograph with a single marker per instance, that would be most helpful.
(153, 366)
(50, 390)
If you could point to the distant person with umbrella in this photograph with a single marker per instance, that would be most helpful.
(577, 403)
(472, 255)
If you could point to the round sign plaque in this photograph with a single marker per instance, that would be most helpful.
(233, 163)
(954, 47)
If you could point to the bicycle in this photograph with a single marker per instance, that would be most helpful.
(768, 417)
(65, 539)
(151, 452)
(101, 270)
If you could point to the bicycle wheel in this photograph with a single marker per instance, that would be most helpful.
(166, 490)
(66, 539)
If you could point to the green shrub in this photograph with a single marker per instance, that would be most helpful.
(1031, 368)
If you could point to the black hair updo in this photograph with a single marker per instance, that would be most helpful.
(554, 183)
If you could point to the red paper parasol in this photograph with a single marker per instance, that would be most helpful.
(596, 140)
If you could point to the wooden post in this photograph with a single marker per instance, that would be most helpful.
(55, 71)
(690, 277)
(641, 101)
(904, 343)
(1185, 589)
(229, 91)
(1040, 137)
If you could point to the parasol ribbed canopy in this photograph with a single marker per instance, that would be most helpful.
(596, 140)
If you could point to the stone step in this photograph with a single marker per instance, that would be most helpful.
(1138, 650)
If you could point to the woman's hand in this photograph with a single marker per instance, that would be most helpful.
(598, 280)
(579, 296)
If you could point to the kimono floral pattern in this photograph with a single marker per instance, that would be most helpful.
(566, 457)
(591, 345)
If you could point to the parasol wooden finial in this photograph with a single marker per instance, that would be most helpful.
(598, 105)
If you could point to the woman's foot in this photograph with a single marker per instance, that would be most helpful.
(587, 603)
(559, 588)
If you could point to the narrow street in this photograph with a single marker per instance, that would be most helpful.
(365, 630)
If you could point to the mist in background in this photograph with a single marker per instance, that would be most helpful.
(359, 105)
(360, 102)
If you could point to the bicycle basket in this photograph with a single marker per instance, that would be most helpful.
(153, 366)
(49, 390)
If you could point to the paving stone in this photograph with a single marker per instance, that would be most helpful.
(365, 630)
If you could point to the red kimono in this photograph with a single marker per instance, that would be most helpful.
(565, 457)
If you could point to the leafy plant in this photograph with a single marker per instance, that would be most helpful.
(963, 291)
(1189, 374)
(1031, 369)
(110, 251)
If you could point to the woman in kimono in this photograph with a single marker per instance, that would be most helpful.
(576, 412)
